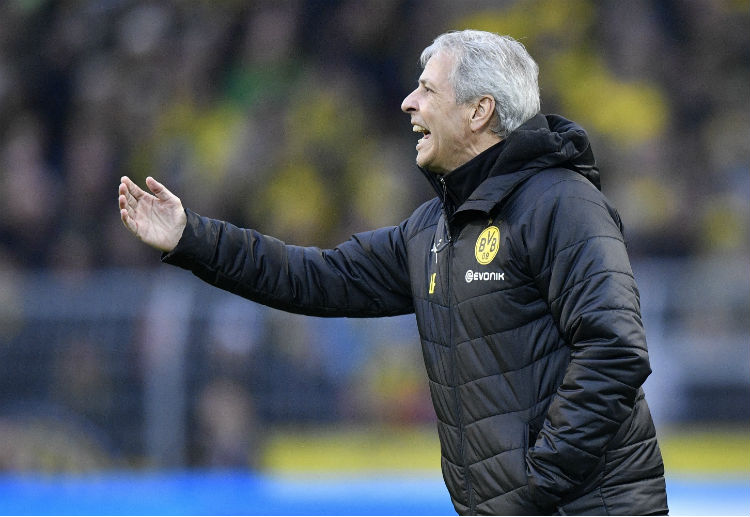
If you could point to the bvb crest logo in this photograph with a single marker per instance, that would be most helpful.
(487, 245)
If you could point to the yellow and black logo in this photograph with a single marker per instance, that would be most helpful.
(487, 245)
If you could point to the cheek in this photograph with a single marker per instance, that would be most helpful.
(449, 139)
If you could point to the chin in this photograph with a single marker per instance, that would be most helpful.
(431, 167)
(427, 164)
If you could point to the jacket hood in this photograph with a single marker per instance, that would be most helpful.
(542, 142)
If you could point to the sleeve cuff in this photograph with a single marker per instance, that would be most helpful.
(196, 244)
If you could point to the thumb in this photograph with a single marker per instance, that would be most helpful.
(159, 190)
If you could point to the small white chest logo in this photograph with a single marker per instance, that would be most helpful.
(480, 276)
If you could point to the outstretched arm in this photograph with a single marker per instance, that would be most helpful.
(157, 219)
(366, 276)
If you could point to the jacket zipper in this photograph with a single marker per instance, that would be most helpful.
(456, 397)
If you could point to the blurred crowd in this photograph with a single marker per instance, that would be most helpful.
(284, 116)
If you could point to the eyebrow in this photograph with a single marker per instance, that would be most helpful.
(426, 83)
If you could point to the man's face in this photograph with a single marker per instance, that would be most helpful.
(434, 112)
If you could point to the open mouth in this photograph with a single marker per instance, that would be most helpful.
(421, 129)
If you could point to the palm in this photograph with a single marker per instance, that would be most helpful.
(157, 219)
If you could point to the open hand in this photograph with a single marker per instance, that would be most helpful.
(157, 219)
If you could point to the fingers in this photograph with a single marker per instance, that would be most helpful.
(128, 221)
(131, 189)
(125, 215)
(158, 189)
(136, 204)
(127, 200)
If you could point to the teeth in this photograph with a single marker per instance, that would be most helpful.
(418, 129)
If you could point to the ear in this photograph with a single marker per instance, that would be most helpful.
(482, 113)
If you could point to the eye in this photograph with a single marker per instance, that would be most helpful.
(426, 88)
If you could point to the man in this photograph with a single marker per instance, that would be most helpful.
(517, 272)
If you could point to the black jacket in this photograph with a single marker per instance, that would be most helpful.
(528, 314)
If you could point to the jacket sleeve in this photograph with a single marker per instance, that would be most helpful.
(366, 276)
(578, 256)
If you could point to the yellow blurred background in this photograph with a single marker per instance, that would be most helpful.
(284, 116)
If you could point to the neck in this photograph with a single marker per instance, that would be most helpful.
(484, 141)
(454, 188)
(474, 148)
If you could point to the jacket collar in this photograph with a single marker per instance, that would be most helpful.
(487, 179)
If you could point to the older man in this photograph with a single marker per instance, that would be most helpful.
(517, 273)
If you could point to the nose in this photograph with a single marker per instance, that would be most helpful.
(409, 103)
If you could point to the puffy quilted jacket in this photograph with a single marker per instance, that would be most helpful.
(528, 314)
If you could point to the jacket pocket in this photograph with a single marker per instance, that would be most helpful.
(533, 428)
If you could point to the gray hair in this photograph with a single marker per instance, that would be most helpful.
(489, 64)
